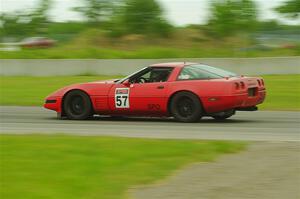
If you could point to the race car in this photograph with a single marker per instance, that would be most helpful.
(185, 91)
(37, 42)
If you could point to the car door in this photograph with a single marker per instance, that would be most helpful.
(136, 97)
(149, 98)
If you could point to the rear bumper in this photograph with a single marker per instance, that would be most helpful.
(240, 101)
(244, 100)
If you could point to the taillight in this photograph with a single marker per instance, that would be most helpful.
(242, 85)
(237, 85)
(259, 83)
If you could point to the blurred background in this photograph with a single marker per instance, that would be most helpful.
(48, 44)
(148, 28)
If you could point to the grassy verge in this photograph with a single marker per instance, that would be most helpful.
(184, 42)
(31, 91)
(140, 53)
(282, 90)
(37, 166)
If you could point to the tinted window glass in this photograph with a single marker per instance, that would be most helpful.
(195, 72)
(217, 71)
(203, 72)
(154, 74)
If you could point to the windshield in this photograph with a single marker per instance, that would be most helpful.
(127, 77)
(200, 71)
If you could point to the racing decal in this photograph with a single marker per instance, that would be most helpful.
(122, 98)
(154, 107)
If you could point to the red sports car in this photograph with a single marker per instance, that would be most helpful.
(35, 42)
(185, 91)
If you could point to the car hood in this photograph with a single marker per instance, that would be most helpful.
(92, 88)
(110, 81)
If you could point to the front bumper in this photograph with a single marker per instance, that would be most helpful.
(53, 103)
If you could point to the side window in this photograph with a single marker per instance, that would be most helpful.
(160, 74)
(147, 75)
(194, 72)
(142, 77)
(153, 75)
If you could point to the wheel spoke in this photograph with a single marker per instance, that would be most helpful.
(186, 107)
(77, 105)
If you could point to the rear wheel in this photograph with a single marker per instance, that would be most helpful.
(77, 105)
(186, 107)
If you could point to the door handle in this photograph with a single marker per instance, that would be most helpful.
(160, 87)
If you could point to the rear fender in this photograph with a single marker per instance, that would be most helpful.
(178, 91)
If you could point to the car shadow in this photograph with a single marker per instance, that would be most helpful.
(166, 120)
(205, 120)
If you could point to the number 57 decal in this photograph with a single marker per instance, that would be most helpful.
(122, 98)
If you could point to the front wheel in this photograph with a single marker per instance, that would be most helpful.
(186, 107)
(77, 105)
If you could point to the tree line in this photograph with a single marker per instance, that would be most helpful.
(121, 17)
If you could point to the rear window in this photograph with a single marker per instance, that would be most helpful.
(199, 71)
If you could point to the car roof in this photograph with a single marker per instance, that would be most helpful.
(172, 64)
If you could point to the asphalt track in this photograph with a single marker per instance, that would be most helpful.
(250, 126)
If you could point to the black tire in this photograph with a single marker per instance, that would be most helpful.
(77, 105)
(186, 107)
(225, 116)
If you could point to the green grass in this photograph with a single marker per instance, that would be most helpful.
(183, 43)
(283, 91)
(30, 91)
(146, 52)
(61, 167)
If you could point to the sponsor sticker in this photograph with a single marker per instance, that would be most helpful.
(122, 98)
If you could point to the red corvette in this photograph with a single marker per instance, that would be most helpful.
(35, 42)
(185, 91)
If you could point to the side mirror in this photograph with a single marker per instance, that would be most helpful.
(126, 83)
